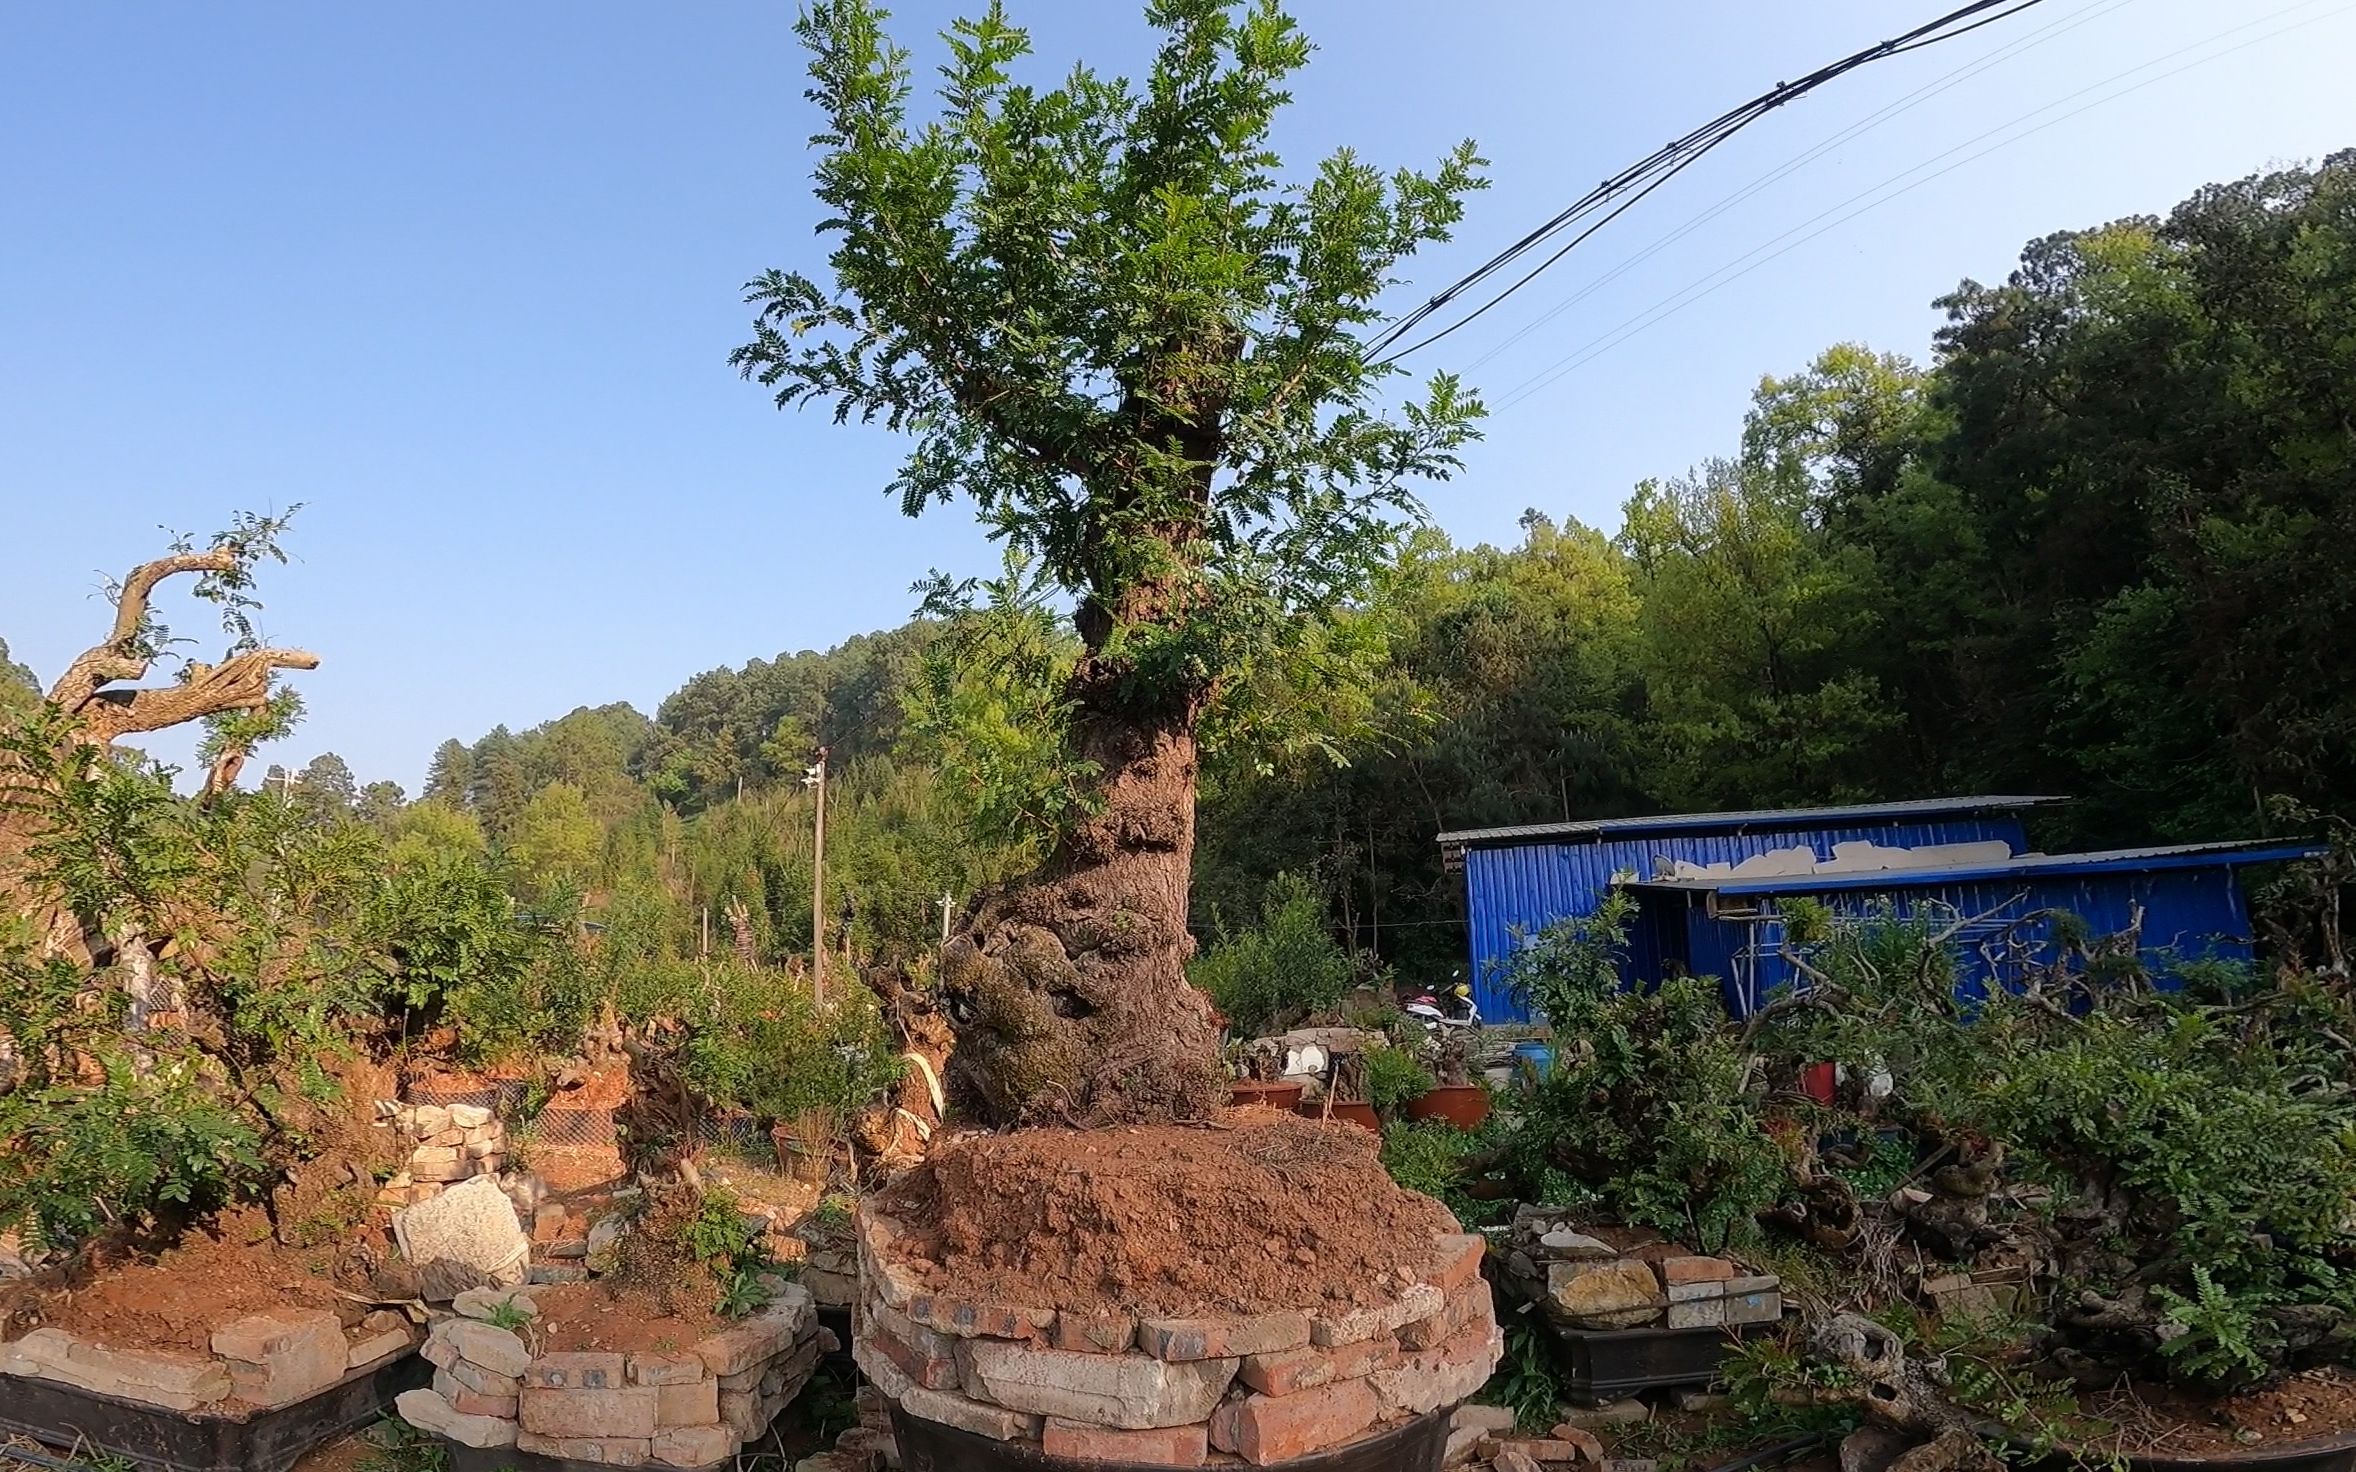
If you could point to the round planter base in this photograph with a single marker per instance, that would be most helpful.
(1419, 1445)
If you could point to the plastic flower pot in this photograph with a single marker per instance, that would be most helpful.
(1465, 1106)
(1278, 1095)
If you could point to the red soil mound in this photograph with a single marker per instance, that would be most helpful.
(175, 1301)
(597, 1316)
(1257, 1211)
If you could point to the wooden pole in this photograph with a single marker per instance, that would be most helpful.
(817, 780)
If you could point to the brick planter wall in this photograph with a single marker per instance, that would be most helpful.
(262, 1361)
(1268, 1388)
(693, 1407)
(1585, 1283)
(451, 1143)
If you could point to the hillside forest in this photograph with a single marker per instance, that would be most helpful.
(2094, 544)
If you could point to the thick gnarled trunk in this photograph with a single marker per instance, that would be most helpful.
(1068, 990)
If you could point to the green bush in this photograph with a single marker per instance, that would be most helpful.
(1286, 968)
(1646, 1111)
(1394, 1077)
(763, 1043)
(1430, 1156)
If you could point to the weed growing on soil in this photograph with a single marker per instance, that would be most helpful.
(396, 1446)
(1431, 1157)
(1526, 1381)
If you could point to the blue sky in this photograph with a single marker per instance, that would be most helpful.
(462, 280)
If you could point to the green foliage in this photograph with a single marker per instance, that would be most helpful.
(1430, 1156)
(507, 1314)
(1526, 1381)
(1394, 1076)
(1646, 1108)
(1287, 967)
(2220, 1340)
(758, 1039)
(1103, 317)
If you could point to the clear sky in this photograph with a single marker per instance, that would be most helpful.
(462, 280)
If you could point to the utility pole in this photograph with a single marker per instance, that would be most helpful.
(814, 778)
(947, 900)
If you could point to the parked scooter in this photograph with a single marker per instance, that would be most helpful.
(1446, 1010)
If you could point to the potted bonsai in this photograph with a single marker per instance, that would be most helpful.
(1457, 1098)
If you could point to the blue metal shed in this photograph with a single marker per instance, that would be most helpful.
(2185, 903)
(1521, 879)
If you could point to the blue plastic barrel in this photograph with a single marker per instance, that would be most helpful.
(1533, 1060)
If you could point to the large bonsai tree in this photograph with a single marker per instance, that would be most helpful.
(1103, 318)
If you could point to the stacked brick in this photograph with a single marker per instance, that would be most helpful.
(1584, 1283)
(451, 1143)
(694, 1407)
(258, 1362)
(1267, 1388)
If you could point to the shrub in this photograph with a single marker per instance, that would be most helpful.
(1646, 1110)
(1394, 1077)
(1287, 967)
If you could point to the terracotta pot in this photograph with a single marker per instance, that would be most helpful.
(1462, 1105)
(803, 1153)
(1358, 1114)
(1270, 1096)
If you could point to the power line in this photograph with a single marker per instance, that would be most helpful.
(1944, 83)
(1678, 301)
(1659, 167)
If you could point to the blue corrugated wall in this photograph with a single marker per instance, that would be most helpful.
(1522, 888)
(2194, 913)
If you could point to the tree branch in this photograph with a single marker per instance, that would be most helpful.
(114, 660)
(241, 682)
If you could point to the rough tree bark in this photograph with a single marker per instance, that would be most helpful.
(101, 707)
(103, 715)
(1068, 990)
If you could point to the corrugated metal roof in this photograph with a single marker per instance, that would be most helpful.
(1589, 828)
(2117, 860)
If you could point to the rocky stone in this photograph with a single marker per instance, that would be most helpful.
(694, 1403)
(472, 1402)
(469, 1116)
(1696, 1305)
(179, 1382)
(384, 1344)
(1172, 1446)
(1511, 1460)
(744, 1346)
(1418, 1301)
(1630, 1464)
(1127, 1392)
(428, 1411)
(1228, 1337)
(951, 1409)
(1565, 1245)
(1703, 1402)
(1619, 1294)
(1489, 1420)
(483, 1303)
(620, 1411)
(426, 1119)
(556, 1272)
(692, 1446)
(1264, 1429)
(483, 1382)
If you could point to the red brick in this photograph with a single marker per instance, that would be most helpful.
(1268, 1429)
(576, 1370)
(969, 1320)
(1680, 1270)
(1590, 1447)
(1094, 1333)
(1222, 1338)
(1173, 1446)
(1289, 1372)
(1458, 1261)
(626, 1413)
(1468, 1305)
(475, 1403)
(927, 1358)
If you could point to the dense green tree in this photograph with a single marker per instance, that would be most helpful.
(19, 689)
(1106, 319)
(556, 841)
(327, 787)
(380, 803)
(450, 776)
